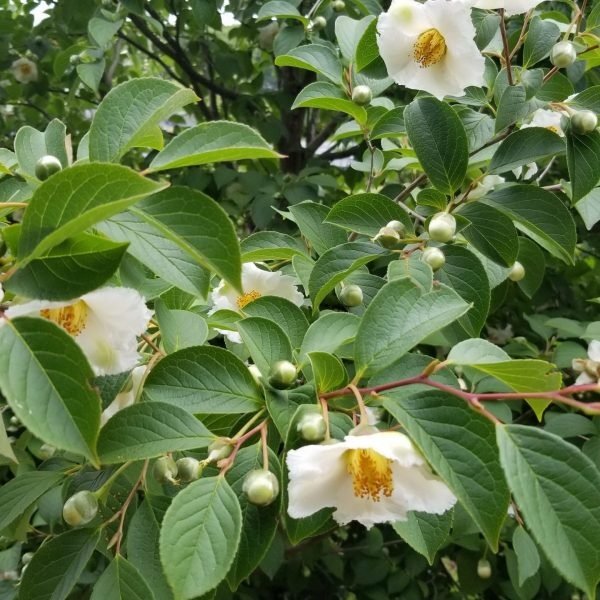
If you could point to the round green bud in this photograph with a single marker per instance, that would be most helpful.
(338, 6)
(261, 487)
(188, 469)
(584, 121)
(442, 227)
(14, 420)
(46, 451)
(563, 54)
(351, 295)
(80, 508)
(397, 226)
(319, 23)
(283, 375)
(312, 427)
(219, 449)
(484, 569)
(387, 237)
(362, 95)
(164, 470)
(434, 257)
(517, 271)
(74, 60)
(26, 558)
(256, 374)
(46, 166)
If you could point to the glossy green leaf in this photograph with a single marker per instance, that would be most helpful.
(367, 50)
(533, 259)
(180, 328)
(270, 245)
(528, 558)
(329, 333)
(31, 145)
(328, 96)
(121, 581)
(328, 371)
(512, 106)
(310, 218)
(281, 10)
(541, 36)
(588, 208)
(313, 57)
(583, 158)
(390, 124)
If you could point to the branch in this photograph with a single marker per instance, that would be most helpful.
(506, 48)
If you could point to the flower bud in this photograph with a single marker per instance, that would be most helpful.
(584, 121)
(442, 227)
(256, 374)
(338, 6)
(46, 451)
(397, 226)
(484, 569)
(219, 449)
(434, 257)
(80, 508)
(26, 558)
(74, 60)
(362, 95)
(261, 487)
(188, 469)
(164, 470)
(319, 23)
(387, 237)
(351, 295)
(312, 427)
(563, 54)
(46, 166)
(517, 271)
(283, 375)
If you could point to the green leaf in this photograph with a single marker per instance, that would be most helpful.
(367, 50)
(75, 267)
(56, 567)
(6, 449)
(259, 523)
(583, 158)
(512, 106)
(45, 378)
(121, 581)
(270, 245)
(329, 333)
(491, 232)
(148, 430)
(328, 371)
(204, 380)
(313, 57)
(199, 537)
(31, 145)
(72, 200)
(282, 312)
(588, 99)
(102, 31)
(534, 261)
(197, 225)
(589, 208)
(91, 73)
(390, 124)
(281, 10)
(310, 218)
(525, 146)
(412, 268)
(130, 112)
(476, 351)
(400, 317)
(180, 328)
(528, 558)
(459, 443)
(368, 213)
(327, 96)
(266, 342)
(479, 127)
(541, 36)
(348, 32)
(540, 215)
(19, 493)
(216, 141)
(439, 140)
(556, 488)
(336, 264)
(425, 533)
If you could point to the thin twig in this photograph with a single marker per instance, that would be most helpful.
(506, 48)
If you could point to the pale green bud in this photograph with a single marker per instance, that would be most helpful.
(362, 95)
(434, 257)
(46, 166)
(46, 451)
(219, 450)
(164, 470)
(26, 558)
(484, 569)
(319, 23)
(584, 121)
(338, 6)
(563, 54)
(312, 427)
(517, 271)
(397, 226)
(80, 508)
(351, 295)
(188, 469)
(442, 227)
(283, 375)
(387, 237)
(261, 487)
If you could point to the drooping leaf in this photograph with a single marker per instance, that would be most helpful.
(121, 581)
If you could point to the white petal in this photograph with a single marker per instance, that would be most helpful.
(367, 512)
(512, 7)
(1, 293)
(594, 350)
(416, 488)
(584, 378)
(33, 308)
(390, 444)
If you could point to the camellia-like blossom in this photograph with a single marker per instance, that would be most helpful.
(430, 46)
(105, 323)
(24, 70)
(548, 119)
(589, 369)
(370, 478)
(511, 7)
(255, 283)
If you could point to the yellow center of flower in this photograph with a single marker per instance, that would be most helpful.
(25, 69)
(248, 297)
(371, 474)
(553, 128)
(429, 48)
(72, 318)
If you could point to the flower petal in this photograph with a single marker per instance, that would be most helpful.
(391, 444)
(594, 350)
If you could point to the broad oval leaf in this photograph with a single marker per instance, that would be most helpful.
(583, 158)
(121, 581)
(328, 371)
(313, 57)
(281, 10)
(310, 218)
(329, 333)
(327, 96)
(270, 245)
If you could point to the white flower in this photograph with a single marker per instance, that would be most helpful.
(127, 398)
(487, 184)
(531, 170)
(24, 70)
(589, 368)
(105, 323)
(1, 293)
(374, 478)
(512, 7)
(548, 119)
(255, 283)
(430, 46)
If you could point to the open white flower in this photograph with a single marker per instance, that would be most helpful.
(549, 119)
(105, 323)
(24, 70)
(373, 478)
(589, 369)
(430, 46)
(511, 7)
(487, 184)
(126, 398)
(255, 283)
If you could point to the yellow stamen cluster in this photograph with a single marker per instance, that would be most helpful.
(371, 474)
(248, 297)
(430, 48)
(72, 318)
